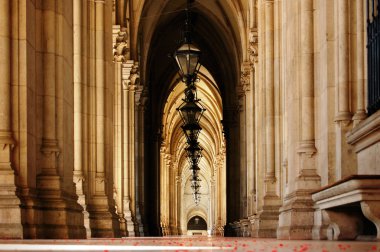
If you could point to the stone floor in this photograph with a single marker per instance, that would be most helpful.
(186, 244)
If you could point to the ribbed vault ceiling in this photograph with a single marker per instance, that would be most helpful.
(211, 137)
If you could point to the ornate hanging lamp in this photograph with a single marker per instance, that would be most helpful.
(187, 57)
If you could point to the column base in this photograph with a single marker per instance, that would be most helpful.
(61, 215)
(10, 211)
(266, 222)
(130, 225)
(79, 180)
(122, 226)
(264, 225)
(104, 221)
(139, 224)
(245, 228)
(296, 217)
(10, 217)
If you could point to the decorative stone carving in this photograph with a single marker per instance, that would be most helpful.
(135, 74)
(253, 47)
(245, 79)
(121, 48)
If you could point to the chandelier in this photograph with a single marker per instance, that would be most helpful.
(191, 110)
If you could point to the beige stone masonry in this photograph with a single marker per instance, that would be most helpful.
(340, 205)
(365, 139)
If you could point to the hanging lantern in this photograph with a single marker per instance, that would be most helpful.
(187, 58)
(194, 168)
(191, 132)
(191, 112)
(194, 153)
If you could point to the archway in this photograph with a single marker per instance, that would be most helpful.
(220, 40)
(176, 195)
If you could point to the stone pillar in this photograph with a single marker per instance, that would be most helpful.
(242, 93)
(345, 162)
(296, 218)
(10, 212)
(253, 57)
(212, 212)
(166, 161)
(128, 150)
(270, 175)
(103, 218)
(268, 214)
(358, 66)
(140, 107)
(61, 216)
(246, 82)
(178, 181)
(100, 83)
(252, 171)
(79, 112)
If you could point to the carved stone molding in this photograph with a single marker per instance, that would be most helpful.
(135, 74)
(245, 79)
(253, 47)
(121, 47)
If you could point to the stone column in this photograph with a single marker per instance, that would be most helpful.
(296, 218)
(103, 218)
(246, 86)
(61, 216)
(124, 135)
(345, 162)
(79, 111)
(140, 107)
(213, 201)
(358, 66)
(242, 89)
(253, 58)
(178, 202)
(100, 89)
(128, 148)
(10, 211)
(270, 175)
(163, 201)
(268, 214)
(306, 147)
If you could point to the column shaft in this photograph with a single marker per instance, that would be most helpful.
(269, 90)
(49, 68)
(77, 47)
(307, 72)
(358, 65)
(5, 72)
(100, 87)
(343, 62)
